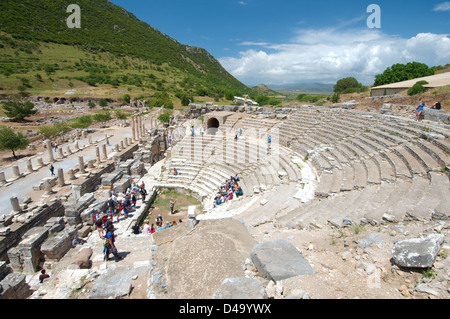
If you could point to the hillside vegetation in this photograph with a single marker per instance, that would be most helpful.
(112, 50)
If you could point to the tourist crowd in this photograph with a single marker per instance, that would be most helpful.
(228, 190)
(115, 207)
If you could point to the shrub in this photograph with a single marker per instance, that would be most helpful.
(335, 98)
(82, 122)
(418, 88)
(102, 103)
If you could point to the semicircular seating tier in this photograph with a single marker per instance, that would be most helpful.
(361, 166)
(368, 165)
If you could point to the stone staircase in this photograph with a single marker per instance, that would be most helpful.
(205, 163)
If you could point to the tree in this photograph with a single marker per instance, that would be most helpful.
(262, 100)
(102, 116)
(57, 129)
(12, 141)
(120, 115)
(164, 118)
(273, 101)
(18, 110)
(403, 72)
(186, 99)
(346, 84)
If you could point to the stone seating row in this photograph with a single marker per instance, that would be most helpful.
(378, 146)
(416, 198)
(258, 170)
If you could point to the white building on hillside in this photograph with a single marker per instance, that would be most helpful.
(245, 101)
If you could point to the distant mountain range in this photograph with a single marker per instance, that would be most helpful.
(305, 88)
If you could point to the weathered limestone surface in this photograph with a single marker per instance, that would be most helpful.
(240, 288)
(82, 261)
(54, 248)
(279, 259)
(14, 286)
(417, 252)
(221, 246)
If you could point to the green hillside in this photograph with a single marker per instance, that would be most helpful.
(113, 52)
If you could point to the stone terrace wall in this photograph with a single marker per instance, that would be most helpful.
(18, 230)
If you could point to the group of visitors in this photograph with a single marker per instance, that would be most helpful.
(420, 107)
(147, 229)
(228, 190)
(104, 220)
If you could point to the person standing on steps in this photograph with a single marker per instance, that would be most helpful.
(52, 170)
(172, 205)
(109, 245)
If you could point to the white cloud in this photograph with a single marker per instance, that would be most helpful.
(250, 43)
(326, 55)
(445, 6)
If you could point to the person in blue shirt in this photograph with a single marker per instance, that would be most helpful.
(419, 110)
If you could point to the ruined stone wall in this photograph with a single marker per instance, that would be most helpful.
(18, 229)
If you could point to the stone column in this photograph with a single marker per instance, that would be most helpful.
(121, 145)
(76, 192)
(125, 142)
(48, 143)
(105, 154)
(77, 148)
(60, 177)
(81, 164)
(72, 175)
(116, 148)
(16, 171)
(133, 128)
(68, 150)
(138, 126)
(47, 187)
(15, 204)
(97, 154)
(60, 152)
(29, 166)
(2, 178)
(40, 161)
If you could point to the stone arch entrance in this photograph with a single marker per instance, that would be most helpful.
(212, 126)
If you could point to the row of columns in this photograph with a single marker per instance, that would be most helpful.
(16, 171)
(138, 131)
(138, 128)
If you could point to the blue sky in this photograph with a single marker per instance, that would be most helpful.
(293, 41)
